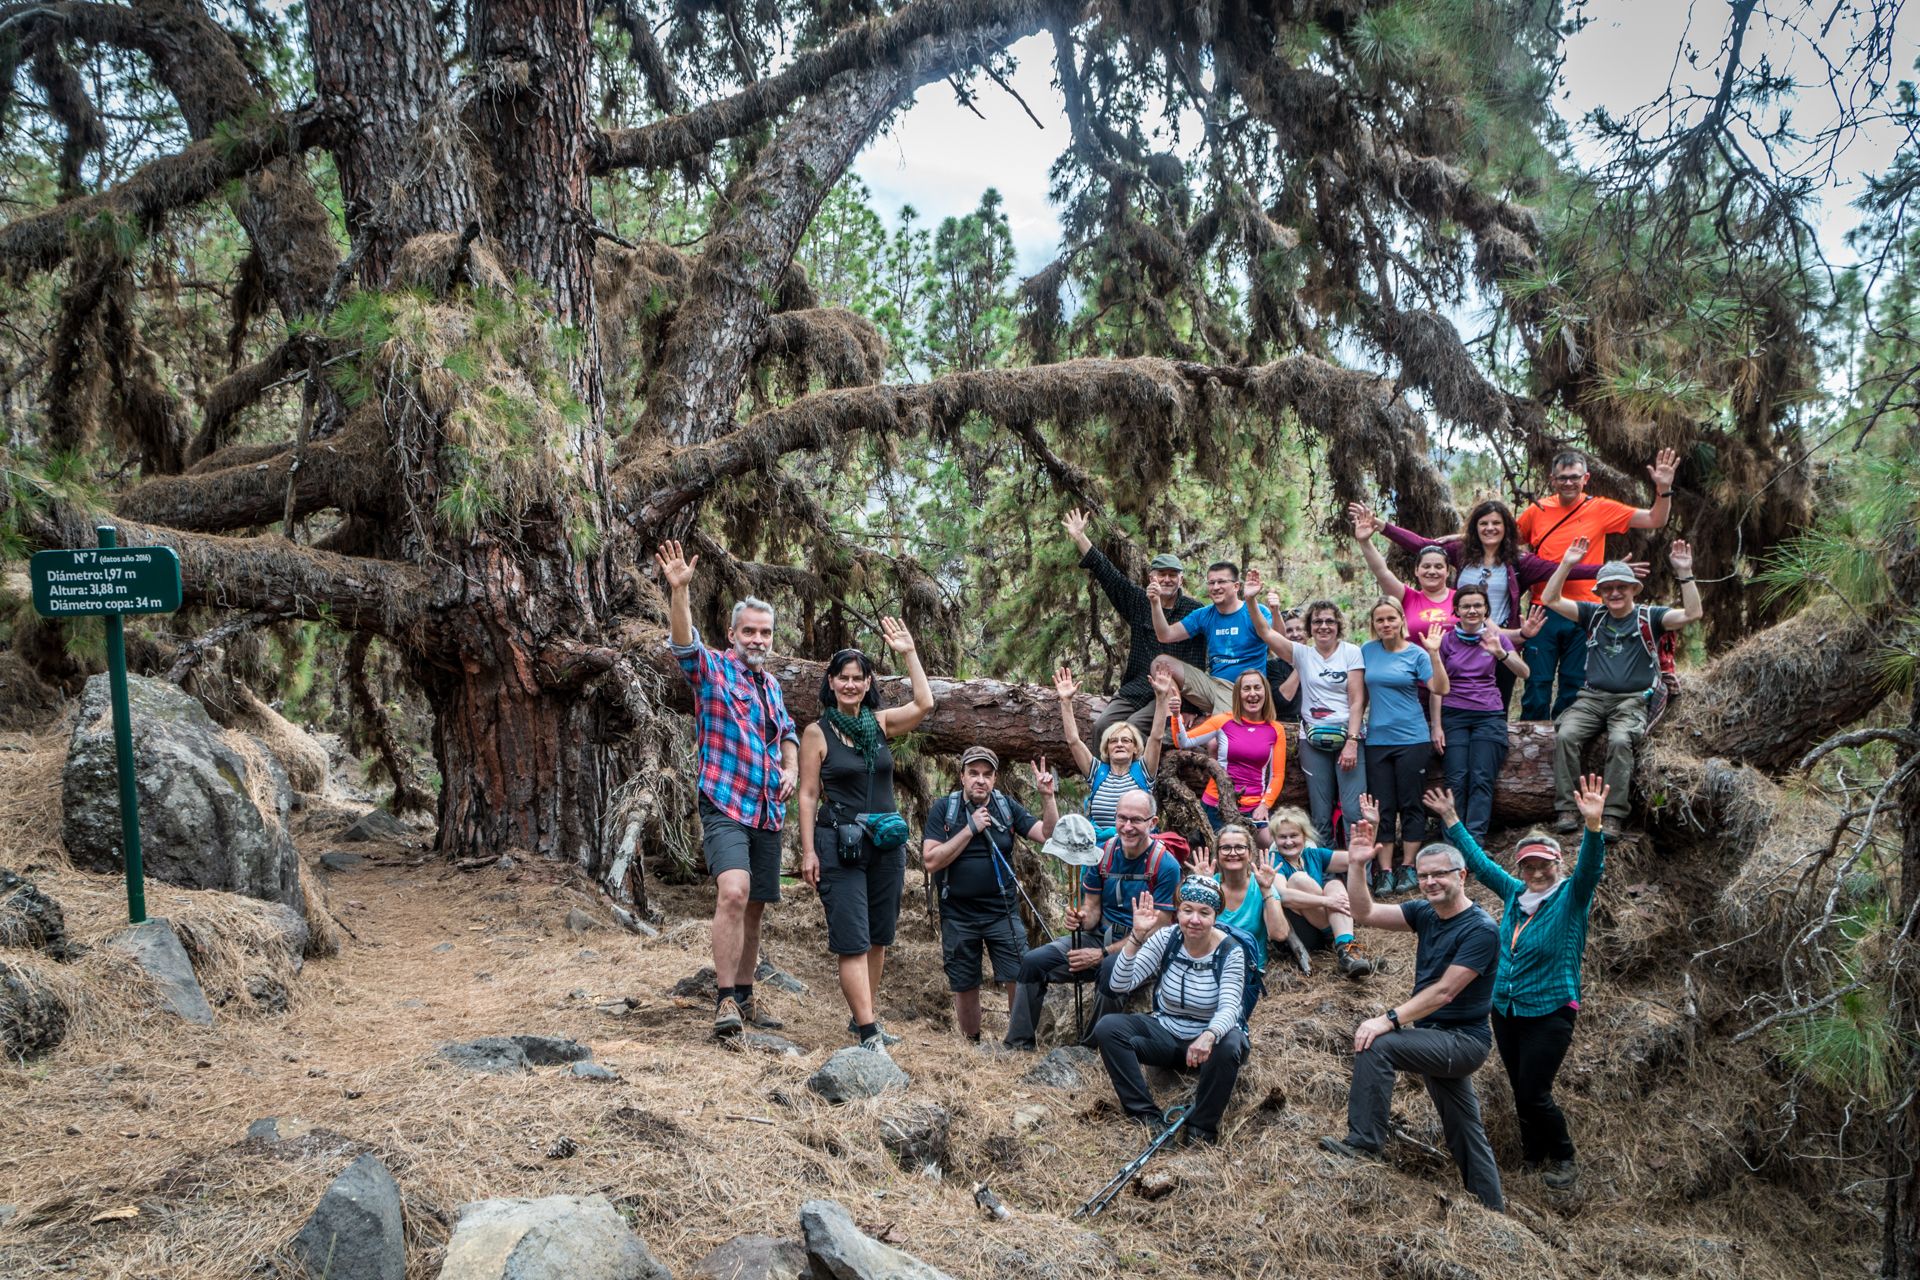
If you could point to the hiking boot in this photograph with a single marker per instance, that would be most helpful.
(1561, 1174)
(756, 1016)
(853, 1029)
(1613, 828)
(726, 1017)
(1193, 1137)
(1352, 960)
(1567, 823)
(876, 1044)
(1381, 882)
(1406, 880)
(1341, 1147)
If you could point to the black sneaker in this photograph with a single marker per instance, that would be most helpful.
(1566, 824)
(1380, 882)
(1561, 1174)
(1352, 960)
(726, 1017)
(887, 1037)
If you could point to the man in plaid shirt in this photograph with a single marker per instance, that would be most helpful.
(749, 763)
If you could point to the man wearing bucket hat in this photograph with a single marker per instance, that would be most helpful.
(1134, 861)
(968, 850)
(1623, 666)
(1132, 702)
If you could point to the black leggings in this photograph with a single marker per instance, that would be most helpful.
(1396, 776)
(1533, 1049)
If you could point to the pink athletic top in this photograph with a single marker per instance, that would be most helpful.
(1422, 613)
(1255, 753)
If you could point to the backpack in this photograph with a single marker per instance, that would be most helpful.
(954, 815)
(1662, 647)
(1256, 983)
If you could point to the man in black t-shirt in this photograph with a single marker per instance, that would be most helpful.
(1441, 1031)
(968, 850)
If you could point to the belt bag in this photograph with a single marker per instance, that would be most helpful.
(1327, 737)
(886, 830)
(850, 844)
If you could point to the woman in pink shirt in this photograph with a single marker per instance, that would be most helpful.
(1428, 600)
(1250, 743)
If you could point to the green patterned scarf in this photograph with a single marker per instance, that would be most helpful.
(863, 730)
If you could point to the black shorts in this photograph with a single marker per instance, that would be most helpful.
(965, 931)
(730, 845)
(862, 902)
(1311, 935)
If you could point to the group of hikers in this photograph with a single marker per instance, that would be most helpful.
(1199, 920)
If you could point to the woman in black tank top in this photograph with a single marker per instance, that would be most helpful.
(846, 769)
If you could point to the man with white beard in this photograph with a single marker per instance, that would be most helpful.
(749, 764)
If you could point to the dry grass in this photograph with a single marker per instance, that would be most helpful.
(123, 1115)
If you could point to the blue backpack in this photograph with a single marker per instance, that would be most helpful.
(1256, 983)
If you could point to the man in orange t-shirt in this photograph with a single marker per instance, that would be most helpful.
(1550, 525)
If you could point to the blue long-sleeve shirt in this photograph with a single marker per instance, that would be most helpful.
(1540, 955)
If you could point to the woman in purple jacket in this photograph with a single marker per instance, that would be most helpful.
(1487, 553)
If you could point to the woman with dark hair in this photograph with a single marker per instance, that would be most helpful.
(845, 793)
(1470, 720)
(1427, 601)
(1251, 744)
(1331, 678)
(1487, 552)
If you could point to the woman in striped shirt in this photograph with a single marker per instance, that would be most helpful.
(1195, 1021)
(1536, 991)
(1125, 763)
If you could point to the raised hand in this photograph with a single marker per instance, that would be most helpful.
(676, 570)
(1075, 523)
(1146, 917)
(1536, 618)
(1364, 522)
(1440, 800)
(1042, 776)
(1576, 551)
(898, 638)
(1064, 684)
(1200, 862)
(1641, 568)
(1490, 641)
(1359, 842)
(1250, 583)
(1680, 556)
(1435, 634)
(1369, 808)
(1264, 875)
(1665, 463)
(1159, 677)
(1590, 797)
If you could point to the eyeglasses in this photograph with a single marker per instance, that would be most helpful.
(1435, 875)
(1124, 820)
(1324, 622)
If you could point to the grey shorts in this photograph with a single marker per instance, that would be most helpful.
(729, 845)
(862, 902)
(965, 934)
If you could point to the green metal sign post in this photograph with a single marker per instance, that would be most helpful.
(111, 582)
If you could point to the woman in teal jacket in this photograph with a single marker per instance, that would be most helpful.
(1536, 992)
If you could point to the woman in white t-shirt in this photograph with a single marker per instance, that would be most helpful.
(1331, 679)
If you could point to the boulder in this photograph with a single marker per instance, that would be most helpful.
(200, 826)
(33, 1017)
(341, 860)
(753, 1257)
(698, 986)
(156, 948)
(505, 1055)
(557, 1238)
(590, 1071)
(779, 979)
(375, 824)
(1068, 1067)
(355, 1229)
(839, 1250)
(856, 1073)
(551, 1051)
(30, 920)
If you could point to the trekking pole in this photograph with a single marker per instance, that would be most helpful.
(1079, 1014)
(1174, 1117)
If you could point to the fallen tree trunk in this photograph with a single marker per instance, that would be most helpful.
(1021, 722)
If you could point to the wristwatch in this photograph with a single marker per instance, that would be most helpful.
(1393, 1016)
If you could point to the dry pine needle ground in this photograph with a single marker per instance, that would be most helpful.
(125, 1148)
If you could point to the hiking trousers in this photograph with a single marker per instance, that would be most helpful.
(1048, 964)
(1623, 718)
(1447, 1059)
(1533, 1049)
(1560, 649)
(1127, 1041)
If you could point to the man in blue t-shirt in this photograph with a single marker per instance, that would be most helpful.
(1233, 645)
(1134, 862)
(1441, 1031)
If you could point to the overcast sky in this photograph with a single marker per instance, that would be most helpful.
(940, 156)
